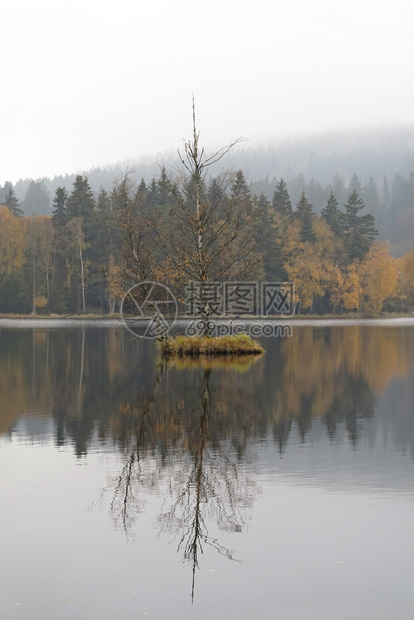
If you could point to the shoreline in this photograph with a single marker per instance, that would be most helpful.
(46, 322)
(244, 318)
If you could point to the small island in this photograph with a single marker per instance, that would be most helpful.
(193, 346)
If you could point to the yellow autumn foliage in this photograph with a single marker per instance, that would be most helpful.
(379, 277)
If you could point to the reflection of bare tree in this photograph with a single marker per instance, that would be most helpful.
(208, 485)
(127, 501)
(178, 447)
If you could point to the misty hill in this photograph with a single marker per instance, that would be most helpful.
(365, 153)
(378, 164)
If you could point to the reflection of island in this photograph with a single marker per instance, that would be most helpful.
(196, 459)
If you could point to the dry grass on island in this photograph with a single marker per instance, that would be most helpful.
(182, 346)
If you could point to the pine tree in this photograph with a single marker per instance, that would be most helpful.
(215, 191)
(359, 230)
(12, 203)
(59, 215)
(281, 200)
(240, 192)
(267, 239)
(164, 188)
(153, 194)
(141, 195)
(332, 215)
(142, 187)
(304, 213)
(239, 188)
(81, 201)
(59, 294)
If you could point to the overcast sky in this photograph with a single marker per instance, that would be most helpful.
(90, 82)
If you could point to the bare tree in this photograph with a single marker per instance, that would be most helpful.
(209, 236)
(139, 252)
(204, 234)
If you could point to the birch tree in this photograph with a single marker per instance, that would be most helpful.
(208, 235)
(75, 229)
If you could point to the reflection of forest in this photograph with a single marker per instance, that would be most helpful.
(333, 374)
(184, 428)
(78, 377)
(90, 381)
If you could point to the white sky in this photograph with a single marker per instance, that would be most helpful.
(86, 83)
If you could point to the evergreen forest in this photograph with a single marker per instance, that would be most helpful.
(347, 245)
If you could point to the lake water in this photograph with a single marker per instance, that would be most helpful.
(279, 487)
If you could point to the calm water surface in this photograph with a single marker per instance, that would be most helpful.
(280, 487)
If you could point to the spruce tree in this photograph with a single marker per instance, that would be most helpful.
(164, 188)
(332, 215)
(240, 188)
(267, 239)
(59, 215)
(359, 230)
(215, 191)
(153, 193)
(304, 213)
(59, 294)
(281, 200)
(240, 192)
(81, 201)
(142, 187)
(12, 203)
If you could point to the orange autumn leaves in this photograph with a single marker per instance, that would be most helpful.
(379, 282)
(317, 269)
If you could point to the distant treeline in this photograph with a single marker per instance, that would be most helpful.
(385, 182)
(94, 247)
